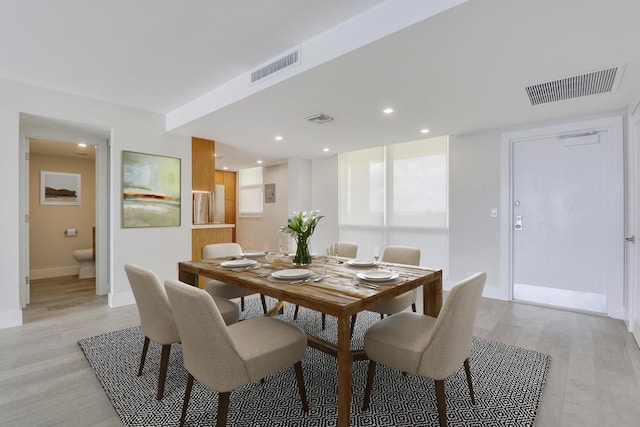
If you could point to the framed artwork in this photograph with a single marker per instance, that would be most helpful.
(58, 188)
(150, 190)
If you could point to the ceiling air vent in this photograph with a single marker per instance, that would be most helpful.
(319, 118)
(602, 81)
(281, 63)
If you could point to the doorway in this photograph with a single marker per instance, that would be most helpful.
(567, 216)
(52, 129)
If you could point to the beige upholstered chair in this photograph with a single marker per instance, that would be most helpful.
(221, 289)
(399, 255)
(156, 318)
(223, 358)
(347, 250)
(427, 346)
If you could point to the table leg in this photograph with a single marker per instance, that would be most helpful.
(432, 297)
(189, 278)
(344, 371)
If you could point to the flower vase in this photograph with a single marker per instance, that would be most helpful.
(302, 256)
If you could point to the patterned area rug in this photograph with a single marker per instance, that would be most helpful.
(508, 383)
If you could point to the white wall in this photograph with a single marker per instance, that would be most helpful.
(265, 229)
(324, 197)
(474, 188)
(157, 248)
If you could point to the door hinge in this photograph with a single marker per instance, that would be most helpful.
(631, 239)
(26, 156)
(26, 280)
(26, 218)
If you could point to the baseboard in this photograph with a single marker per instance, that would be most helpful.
(9, 319)
(121, 299)
(47, 273)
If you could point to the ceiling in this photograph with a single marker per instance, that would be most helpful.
(451, 66)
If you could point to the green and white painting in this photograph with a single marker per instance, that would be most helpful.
(150, 190)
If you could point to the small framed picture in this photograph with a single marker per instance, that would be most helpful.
(58, 188)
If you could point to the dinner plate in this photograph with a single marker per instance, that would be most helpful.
(292, 274)
(238, 263)
(378, 275)
(254, 254)
(361, 262)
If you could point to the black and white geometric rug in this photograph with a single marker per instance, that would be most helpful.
(508, 383)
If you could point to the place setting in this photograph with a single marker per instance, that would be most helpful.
(295, 276)
(376, 278)
(241, 264)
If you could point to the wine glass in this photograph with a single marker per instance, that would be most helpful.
(376, 254)
(280, 243)
(245, 247)
(326, 255)
(336, 251)
(265, 248)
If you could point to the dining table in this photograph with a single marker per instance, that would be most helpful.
(339, 288)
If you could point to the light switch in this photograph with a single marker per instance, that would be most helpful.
(494, 212)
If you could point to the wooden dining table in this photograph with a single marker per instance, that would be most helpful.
(340, 293)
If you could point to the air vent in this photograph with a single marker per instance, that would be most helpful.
(281, 63)
(319, 118)
(602, 81)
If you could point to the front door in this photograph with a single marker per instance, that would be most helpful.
(567, 219)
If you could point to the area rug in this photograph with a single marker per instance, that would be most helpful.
(508, 383)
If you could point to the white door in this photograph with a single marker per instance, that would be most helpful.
(567, 220)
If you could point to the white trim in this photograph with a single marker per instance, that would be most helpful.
(9, 319)
(121, 299)
(614, 126)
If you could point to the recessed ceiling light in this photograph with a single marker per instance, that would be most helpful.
(388, 110)
(424, 131)
(225, 168)
(82, 145)
(278, 138)
(325, 149)
(259, 162)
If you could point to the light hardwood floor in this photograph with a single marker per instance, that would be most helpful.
(45, 379)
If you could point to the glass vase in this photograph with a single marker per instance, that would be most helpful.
(302, 255)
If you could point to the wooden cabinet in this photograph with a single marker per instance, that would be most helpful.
(203, 178)
(228, 179)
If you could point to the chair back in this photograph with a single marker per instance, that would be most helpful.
(401, 255)
(156, 317)
(217, 250)
(449, 343)
(207, 347)
(347, 250)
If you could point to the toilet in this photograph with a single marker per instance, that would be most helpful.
(87, 263)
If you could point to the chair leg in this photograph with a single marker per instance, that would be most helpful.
(145, 347)
(413, 307)
(295, 312)
(353, 325)
(371, 372)
(185, 402)
(164, 363)
(301, 388)
(324, 321)
(442, 404)
(241, 303)
(381, 316)
(263, 300)
(467, 369)
(223, 408)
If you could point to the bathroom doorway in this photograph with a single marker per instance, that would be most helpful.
(53, 231)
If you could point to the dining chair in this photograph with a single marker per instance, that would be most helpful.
(399, 255)
(428, 346)
(224, 358)
(225, 290)
(346, 250)
(156, 318)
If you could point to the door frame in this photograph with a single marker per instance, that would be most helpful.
(44, 128)
(633, 198)
(614, 126)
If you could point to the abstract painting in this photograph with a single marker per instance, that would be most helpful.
(150, 190)
(58, 188)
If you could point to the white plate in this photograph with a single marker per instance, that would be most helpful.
(292, 274)
(361, 262)
(254, 254)
(378, 275)
(239, 263)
